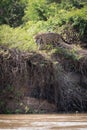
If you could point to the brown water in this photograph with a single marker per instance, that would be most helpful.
(44, 122)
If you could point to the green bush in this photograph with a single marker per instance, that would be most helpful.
(68, 4)
(11, 12)
(39, 10)
(78, 19)
(40, 17)
(16, 38)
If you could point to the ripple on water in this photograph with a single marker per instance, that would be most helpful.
(58, 123)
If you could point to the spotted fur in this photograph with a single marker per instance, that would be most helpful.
(44, 39)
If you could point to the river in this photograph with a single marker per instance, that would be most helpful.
(44, 122)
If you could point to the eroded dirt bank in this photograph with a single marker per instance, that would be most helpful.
(33, 83)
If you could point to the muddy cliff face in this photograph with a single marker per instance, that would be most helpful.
(31, 82)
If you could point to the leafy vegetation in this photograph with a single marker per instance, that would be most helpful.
(21, 20)
(11, 12)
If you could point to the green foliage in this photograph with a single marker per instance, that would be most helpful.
(50, 1)
(17, 37)
(18, 111)
(35, 10)
(11, 12)
(39, 17)
(39, 10)
(68, 4)
(58, 20)
(69, 54)
(78, 19)
(8, 111)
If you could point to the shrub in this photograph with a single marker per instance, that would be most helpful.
(78, 19)
(11, 12)
(39, 10)
(68, 4)
(17, 37)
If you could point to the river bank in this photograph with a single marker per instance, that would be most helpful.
(31, 82)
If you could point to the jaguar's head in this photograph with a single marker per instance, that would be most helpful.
(39, 41)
